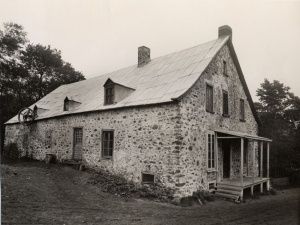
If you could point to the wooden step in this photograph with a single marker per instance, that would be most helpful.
(229, 187)
(226, 191)
(230, 196)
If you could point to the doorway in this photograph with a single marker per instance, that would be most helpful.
(77, 152)
(226, 158)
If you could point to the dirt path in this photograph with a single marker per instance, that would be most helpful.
(37, 193)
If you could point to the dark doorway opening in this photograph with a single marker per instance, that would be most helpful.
(226, 158)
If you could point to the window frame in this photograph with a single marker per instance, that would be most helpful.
(223, 108)
(112, 94)
(211, 152)
(147, 182)
(103, 155)
(210, 110)
(242, 110)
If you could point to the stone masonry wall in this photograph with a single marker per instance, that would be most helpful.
(146, 140)
(167, 140)
(195, 122)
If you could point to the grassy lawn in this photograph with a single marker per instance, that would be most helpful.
(39, 193)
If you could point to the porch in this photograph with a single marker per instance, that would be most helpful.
(233, 186)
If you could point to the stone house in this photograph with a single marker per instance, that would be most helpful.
(184, 121)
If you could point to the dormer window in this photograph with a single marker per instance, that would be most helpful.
(109, 94)
(70, 103)
(66, 104)
(115, 92)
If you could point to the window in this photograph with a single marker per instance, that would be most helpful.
(242, 110)
(107, 143)
(225, 103)
(211, 150)
(225, 68)
(109, 95)
(147, 178)
(209, 98)
(66, 104)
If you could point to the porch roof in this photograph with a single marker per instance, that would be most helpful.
(240, 134)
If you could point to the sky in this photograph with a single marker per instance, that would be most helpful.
(101, 36)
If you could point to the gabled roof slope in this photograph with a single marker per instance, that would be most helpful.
(161, 80)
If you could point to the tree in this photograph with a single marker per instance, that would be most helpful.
(28, 71)
(46, 70)
(279, 111)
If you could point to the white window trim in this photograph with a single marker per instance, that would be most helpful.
(212, 169)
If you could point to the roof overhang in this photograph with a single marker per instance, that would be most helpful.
(226, 134)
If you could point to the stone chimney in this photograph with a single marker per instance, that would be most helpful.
(143, 56)
(225, 31)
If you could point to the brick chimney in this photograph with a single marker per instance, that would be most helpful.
(225, 30)
(143, 56)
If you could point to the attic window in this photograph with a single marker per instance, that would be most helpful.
(225, 104)
(225, 68)
(109, 95)
(66, 104)
(147, 178)
(242, 110)
(209, 98)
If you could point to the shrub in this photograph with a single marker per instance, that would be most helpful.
(187, 201)
(11, 151)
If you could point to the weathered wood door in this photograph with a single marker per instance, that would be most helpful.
(226, 158)
(77, 151)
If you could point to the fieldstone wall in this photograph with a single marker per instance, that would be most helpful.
(167, 140)
(146, 140)
(195, 122)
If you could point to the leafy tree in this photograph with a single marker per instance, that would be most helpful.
(46, 70)
(279, 111)
(28, 71)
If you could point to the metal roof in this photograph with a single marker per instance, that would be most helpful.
(161, 80)
(240, 134)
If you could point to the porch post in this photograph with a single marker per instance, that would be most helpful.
(261, 165)
(217, 153)
(268, 166)
(242, 161)
(261, 160)
(268, 160)
(253, 161)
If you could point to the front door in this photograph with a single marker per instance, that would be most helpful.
(226, 158)
(77, 152)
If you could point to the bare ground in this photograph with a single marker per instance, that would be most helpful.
(39, 193)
